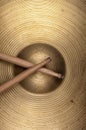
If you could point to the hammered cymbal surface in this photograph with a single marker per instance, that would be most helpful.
(62, 25)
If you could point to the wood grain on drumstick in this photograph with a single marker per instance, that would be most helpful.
(23, 75)
(26, 64)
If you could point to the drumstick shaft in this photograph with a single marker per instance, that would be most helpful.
(26, 64)
(23, 75)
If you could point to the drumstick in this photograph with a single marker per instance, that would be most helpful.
(26, 64)
(23, 75)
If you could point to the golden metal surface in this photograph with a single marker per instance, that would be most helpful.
(39, 82)
(62, 25)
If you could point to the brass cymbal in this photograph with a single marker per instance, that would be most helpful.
(33, 30)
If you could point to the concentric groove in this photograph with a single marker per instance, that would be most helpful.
(61, 24)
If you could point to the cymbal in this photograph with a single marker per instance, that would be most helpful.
(34, 30)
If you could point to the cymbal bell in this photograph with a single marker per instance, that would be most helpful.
(33, 30)
(39, 82)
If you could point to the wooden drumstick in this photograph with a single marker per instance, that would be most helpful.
(26, 64)
(23, 75)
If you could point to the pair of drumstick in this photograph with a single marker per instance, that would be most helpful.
(31, 68)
